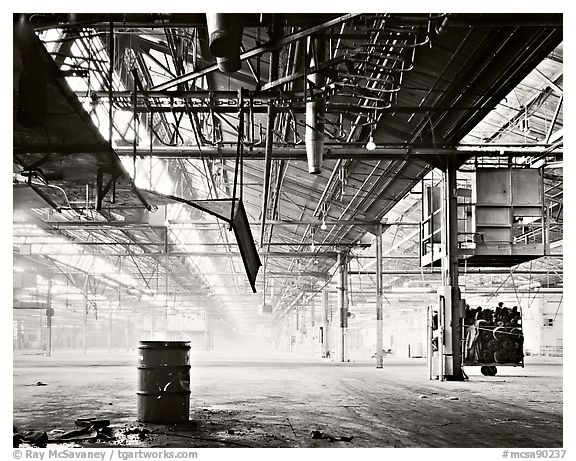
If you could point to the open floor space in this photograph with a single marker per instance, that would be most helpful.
(279, 400)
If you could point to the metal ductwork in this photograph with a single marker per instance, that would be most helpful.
(315, 112)
(225, 38)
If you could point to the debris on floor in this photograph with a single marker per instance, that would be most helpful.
(96, 423)
(316, 434)
(31, 438)
(91, 429)
(453, 398)
(141, 433)
(422, 396)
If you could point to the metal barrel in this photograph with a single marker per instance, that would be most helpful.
(163, 381)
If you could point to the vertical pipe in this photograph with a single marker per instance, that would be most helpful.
(546, 213)
(379, 316)
(225, 39)
(272, 75)
(315, 111)
(110, 79)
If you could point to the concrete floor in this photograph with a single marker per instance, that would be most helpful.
(245, 400)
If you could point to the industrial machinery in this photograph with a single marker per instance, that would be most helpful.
(443, 340)
(490, 217)
(491, 337)
(501, 219)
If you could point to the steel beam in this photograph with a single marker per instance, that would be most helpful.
(469, 271)
(193, 244)
(293, 102)
(138, 225)
(549, 81)
(179, 254)
(331, 153)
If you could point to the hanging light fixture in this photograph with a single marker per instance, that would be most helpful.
(371, 145)
(342, 177)
(323, 226)
(312, 245)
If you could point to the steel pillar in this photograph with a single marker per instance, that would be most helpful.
(343, 304)
(85, 335)
(110, 332)
(312, 313)
(49, 313)
(325, 324)
(450, 312)
(379, 311)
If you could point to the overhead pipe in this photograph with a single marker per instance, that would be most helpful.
(225, 38)
(315, 110)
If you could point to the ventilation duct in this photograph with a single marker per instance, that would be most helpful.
(225, 38)
(315, 112)
(30, 80)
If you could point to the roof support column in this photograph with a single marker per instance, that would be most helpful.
(85, 329)
(49, 314)
(379, 316)
(343, 304)
(449, 294)
(325, 337)
(110, 336)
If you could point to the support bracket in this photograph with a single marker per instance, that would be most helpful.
(103, 189)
